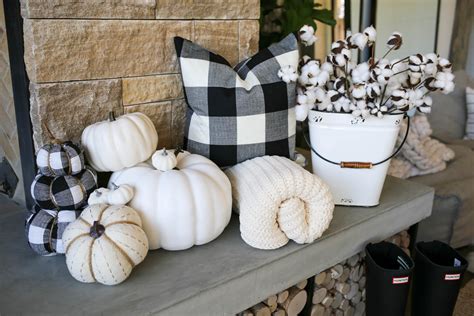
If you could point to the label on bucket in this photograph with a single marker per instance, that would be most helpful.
(400, 280)
(452, 277)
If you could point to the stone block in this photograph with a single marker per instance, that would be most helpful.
(66, 108)
(208, 9)
(249, 34)
(63, 50)
(220, 37)
(151, 89)
(105, 9)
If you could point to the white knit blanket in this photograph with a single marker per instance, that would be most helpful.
(278, 200)
(421, 154)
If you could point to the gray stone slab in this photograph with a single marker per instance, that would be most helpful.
(221, 278)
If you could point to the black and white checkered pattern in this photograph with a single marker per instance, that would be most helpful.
(64, 192)
(235, 114)
(60, 159)
(44, 229)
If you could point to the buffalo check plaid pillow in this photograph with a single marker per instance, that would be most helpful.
(239, 113)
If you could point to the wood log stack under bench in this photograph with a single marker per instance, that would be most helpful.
(338, 291)
(287, 302)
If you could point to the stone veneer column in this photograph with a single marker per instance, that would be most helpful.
(87, 57)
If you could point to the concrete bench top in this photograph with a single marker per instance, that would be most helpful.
(223, 277)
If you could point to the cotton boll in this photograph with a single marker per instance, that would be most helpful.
(307, 36)
(425, 109)
(327, 67)
(445, 64)
(415, 98)
(361, 73)
(444, 81)
(342, 104)
(339, 84)
(359, 40)
(373, 90)
(395, 41)
(371, 34)
(340, 60)
(288, 74)
(301, 112)
(358, 91)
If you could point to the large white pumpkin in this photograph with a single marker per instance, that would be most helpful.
(119, 142)
(188, 205)
(104, 244)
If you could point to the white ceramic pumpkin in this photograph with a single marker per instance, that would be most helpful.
(104, 244)
(182, 207)
(117, 195)
(119, 142)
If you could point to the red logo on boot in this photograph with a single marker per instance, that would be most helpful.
(400, 280)
(452, 277)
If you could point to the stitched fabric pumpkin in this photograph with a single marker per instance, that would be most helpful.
(119, 142)
(104, 244)
(64, 192)
(60, 159)
(44, 229)
(182, 207)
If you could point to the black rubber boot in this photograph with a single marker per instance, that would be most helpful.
(389, 271)
(438, 275)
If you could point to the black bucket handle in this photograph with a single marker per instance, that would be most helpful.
(356, 164)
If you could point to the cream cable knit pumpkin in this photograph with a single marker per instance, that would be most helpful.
(278, 200)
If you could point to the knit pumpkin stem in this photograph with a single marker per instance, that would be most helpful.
(97, 230)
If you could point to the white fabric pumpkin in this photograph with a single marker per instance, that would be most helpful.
(119, 143)
(179, 208)
(104, 244)
(118, 195)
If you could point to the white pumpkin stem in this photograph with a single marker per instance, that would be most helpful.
(111, 116)
(164, 152)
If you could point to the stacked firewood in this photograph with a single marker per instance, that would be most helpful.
(402, 240)
(289, 302)
(339, 290)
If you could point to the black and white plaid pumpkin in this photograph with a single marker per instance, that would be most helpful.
(44, 229)
(64, 192)
(60, 159)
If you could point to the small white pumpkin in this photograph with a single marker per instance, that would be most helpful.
(104, 244)
(117, 195)
(163, 160)
(119, 142)
(182, 207)
(98, 196)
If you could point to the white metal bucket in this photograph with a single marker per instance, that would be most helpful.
(340, 137)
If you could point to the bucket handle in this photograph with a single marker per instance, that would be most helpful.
(356, 164)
